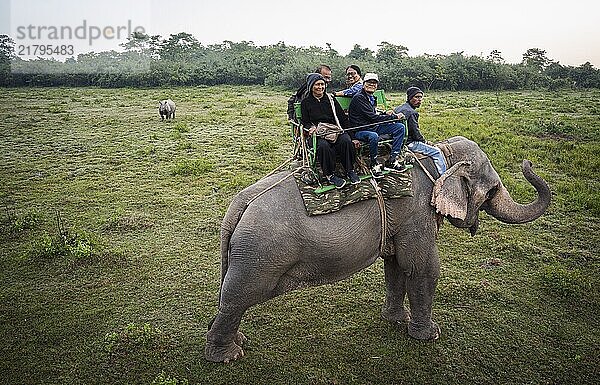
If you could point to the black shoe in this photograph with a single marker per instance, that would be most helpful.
(354, 179)
(397, 165)
(336, 181)
(377, 171)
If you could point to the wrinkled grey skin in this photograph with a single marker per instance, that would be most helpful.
(166, 108)
(271, 246)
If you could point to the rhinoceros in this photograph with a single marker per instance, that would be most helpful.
(166, 109)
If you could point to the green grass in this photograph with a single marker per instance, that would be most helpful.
(123, 290)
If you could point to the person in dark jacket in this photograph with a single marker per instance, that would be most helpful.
(415, 140)
(362, 111)
(302, 92)
(317, 108)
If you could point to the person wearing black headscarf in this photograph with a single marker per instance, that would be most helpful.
(297, 97)
(316, 108)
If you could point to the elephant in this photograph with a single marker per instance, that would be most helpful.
(166, 108)
(270, 246)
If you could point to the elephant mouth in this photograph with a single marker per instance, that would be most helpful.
(472, 224)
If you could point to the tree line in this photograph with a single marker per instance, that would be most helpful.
(181, 60)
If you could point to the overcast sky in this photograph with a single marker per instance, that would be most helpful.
(569, 31)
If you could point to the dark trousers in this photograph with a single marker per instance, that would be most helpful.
(327, 153)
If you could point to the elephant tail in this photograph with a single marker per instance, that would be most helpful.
(234, 214)
(232, 217)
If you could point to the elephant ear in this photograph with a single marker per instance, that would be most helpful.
(450, 195)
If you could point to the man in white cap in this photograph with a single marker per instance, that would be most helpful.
(362, 112)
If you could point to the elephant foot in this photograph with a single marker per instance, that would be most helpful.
(428, 331)
(401, 315)
(224, 349)
(220, 353)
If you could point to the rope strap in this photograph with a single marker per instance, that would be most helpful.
(431, 178)
(276, 183)
(382, 213)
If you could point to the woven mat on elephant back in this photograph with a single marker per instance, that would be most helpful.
(392, 185)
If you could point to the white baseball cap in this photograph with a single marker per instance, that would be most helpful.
(371, 76)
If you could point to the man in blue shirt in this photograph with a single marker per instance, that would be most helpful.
(362, 112)
(353, 81)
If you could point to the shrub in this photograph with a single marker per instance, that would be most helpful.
(77, 246)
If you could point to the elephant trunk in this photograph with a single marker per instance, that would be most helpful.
(505, 209)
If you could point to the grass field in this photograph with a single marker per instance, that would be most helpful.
(110, 218)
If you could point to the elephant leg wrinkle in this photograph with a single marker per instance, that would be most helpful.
(393, 309)
(420, 294)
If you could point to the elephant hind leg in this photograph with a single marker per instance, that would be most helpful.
(224, 341)
(240, 339)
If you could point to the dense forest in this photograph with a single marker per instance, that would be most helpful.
(181, 60)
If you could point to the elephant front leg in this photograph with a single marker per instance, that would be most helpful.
(395, 282)
(223, 340)
(420, 294)
(420, 264)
